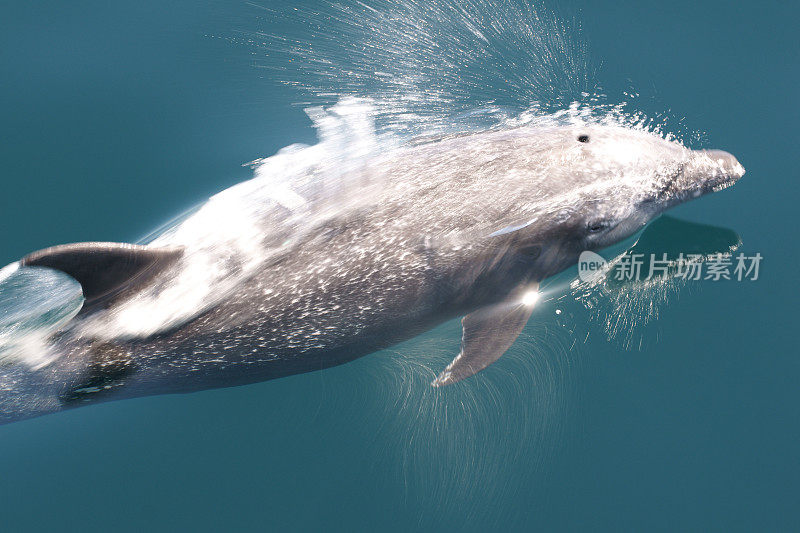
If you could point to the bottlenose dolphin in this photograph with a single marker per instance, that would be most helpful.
(461, 227)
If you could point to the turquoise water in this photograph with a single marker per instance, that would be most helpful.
(115, 118)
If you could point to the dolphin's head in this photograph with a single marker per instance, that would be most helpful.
(632, 176)
(598, 185)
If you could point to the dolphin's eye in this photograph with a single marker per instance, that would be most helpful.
(583, 138)
(597, 226)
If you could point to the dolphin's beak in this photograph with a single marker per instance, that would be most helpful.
(707, 171)
(725, 163)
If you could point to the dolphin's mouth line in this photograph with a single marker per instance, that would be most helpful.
(672, 190)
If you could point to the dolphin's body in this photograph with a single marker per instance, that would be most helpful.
(463, 227)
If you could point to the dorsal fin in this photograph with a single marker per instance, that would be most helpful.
(104, 268)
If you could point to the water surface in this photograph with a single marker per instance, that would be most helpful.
(116, 117)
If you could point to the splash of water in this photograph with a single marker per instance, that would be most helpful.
(28, 317)
(624, 308)
(452, 445)
(440, 66)
(428, 64)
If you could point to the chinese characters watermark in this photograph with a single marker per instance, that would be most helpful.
(642, 267)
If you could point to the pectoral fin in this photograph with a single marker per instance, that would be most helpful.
(488, 333)
(104, 268)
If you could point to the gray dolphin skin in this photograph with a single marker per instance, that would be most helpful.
(245, 290)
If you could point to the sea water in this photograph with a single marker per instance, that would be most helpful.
(117, 117)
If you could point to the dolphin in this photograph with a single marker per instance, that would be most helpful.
(466, 226)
